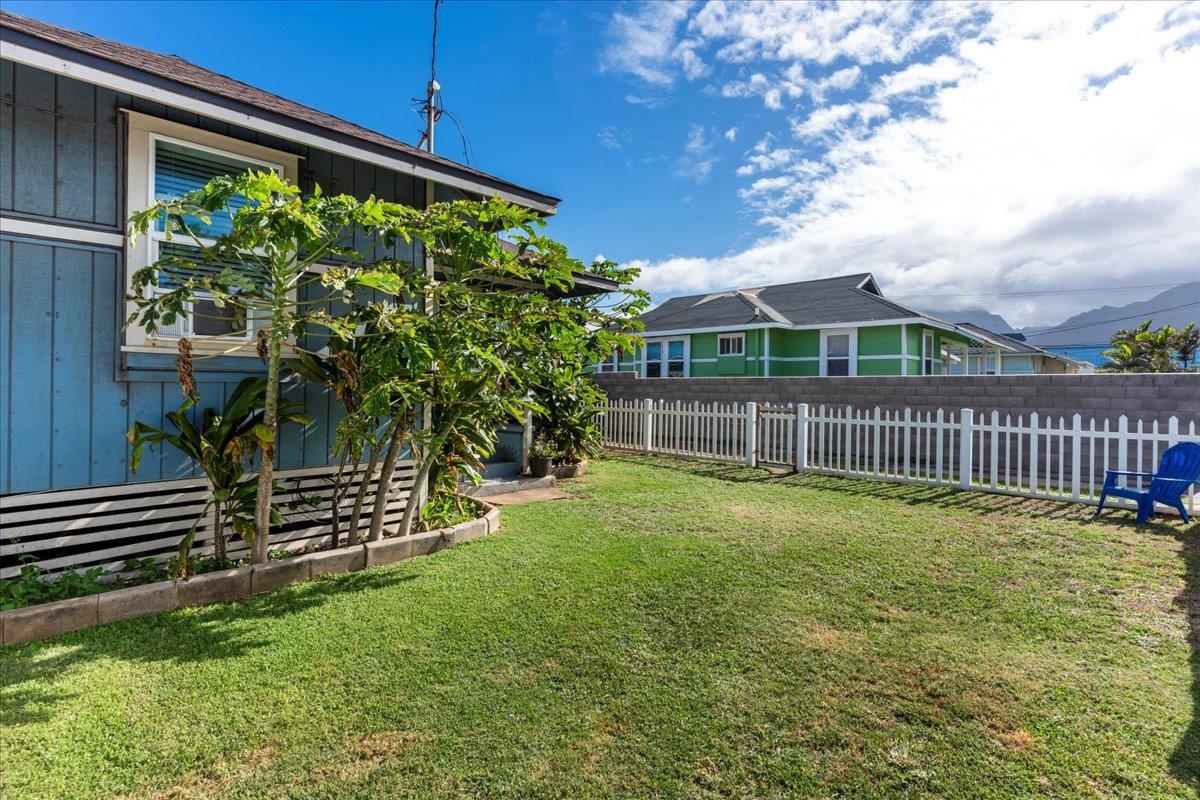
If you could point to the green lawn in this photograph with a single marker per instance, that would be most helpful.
(675, 630)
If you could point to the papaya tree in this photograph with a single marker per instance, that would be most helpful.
(265, 269)
(494, 310)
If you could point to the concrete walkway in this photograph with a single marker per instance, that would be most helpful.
(527, 496)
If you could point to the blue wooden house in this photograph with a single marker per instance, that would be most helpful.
(92, 130)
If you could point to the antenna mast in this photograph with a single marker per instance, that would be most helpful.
(431, 109)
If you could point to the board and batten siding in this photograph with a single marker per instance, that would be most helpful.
(67, 405)
(67, 392)
(62, 153)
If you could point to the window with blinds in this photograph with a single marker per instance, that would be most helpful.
(178, 263)
(179, 169)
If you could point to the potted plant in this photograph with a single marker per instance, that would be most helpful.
(541, 458)
(567, 422)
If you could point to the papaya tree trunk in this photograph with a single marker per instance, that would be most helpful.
(266, 466)
(335, 500)
(427, 460)
(396, 434)
(360, 496)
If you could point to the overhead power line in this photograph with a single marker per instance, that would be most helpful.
(1046, 293)
(1143, 315)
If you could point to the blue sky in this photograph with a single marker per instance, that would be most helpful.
(968, 154)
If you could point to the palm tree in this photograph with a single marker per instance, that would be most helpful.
(1187, 343)
(1144, 350)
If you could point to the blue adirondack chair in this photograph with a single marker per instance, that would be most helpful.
(1178, 469)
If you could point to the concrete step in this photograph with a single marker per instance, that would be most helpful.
(493, 487)
(501, 469)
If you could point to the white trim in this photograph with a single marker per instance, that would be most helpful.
(884, 357)
(66, 233)
(851, 335)
(926, 321)
(738, 337)
(58, 66)
(664, 358)
(904, 349)
(143, 134)
(766, 357)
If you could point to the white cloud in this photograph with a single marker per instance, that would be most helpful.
(834, 118)
(838, 81)
(643, 44)
(1053, 146)
(920, 76)
(731, 134)
(697, 160)
(612, 137)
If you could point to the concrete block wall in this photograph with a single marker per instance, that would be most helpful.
(1146, 397)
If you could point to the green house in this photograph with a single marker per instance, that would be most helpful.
(840, 326)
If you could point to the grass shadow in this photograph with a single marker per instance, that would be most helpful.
(201, 633)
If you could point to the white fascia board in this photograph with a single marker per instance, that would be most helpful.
(60, 66)
(782, 326)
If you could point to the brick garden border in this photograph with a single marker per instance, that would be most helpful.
(62, 616)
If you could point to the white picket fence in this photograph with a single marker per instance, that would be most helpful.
(1034, 456)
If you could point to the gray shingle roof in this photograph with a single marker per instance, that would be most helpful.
(827, 301)
(1017, 345)
(196, 79)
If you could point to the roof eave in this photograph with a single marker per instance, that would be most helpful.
(25, 48)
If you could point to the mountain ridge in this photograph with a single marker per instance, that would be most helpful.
(1096, 326)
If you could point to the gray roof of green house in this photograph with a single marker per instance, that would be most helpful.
(1016, 345)
(844, 299)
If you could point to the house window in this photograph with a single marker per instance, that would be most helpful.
(731, 344)
(611, 363)
(167, 160)
(180, 168)
(839, 352)
(666, 358)
(989, 365)
(928, 356)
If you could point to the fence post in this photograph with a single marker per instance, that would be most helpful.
(965, 425)
(1123, 443)
(801, 437)
(1076, 456)
(751, 434)
(1033, 453)
(648, 426)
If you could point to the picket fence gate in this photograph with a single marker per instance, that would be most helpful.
(1033, 456)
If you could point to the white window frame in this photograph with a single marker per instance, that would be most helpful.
(852, 333)
(664, 359)
(738, 338)
(610, 364)
(928, 357)
(144, 134)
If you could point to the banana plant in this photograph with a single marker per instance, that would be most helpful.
(222, 446)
